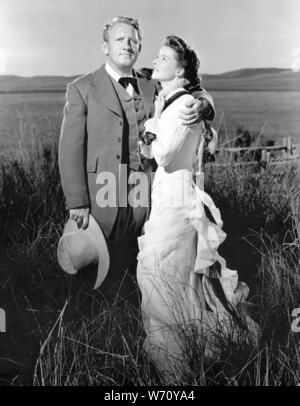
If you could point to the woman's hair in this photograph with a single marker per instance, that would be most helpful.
(187, 58)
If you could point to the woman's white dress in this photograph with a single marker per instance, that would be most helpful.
(179, 247)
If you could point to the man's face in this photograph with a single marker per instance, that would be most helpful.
(122, 47)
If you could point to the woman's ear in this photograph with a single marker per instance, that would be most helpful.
(105, 47)
(180, 73)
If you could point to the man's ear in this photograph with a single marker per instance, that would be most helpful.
(105, 47)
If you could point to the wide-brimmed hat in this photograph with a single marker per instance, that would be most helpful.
(78, 249)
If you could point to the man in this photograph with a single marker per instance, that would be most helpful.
(103, 117)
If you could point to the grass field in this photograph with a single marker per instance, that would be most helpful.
(275, 114)
(60, 332)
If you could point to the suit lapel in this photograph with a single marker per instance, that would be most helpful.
(104, 91)
(147, 91)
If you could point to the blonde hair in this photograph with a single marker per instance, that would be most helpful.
(126, 20)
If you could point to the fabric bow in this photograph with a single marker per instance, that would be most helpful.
(125, 81)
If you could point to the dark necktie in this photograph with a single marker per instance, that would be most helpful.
(129, 80)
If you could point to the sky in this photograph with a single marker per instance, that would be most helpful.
(63, 37)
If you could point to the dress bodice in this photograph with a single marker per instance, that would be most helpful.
(175, 144)
(174, 148)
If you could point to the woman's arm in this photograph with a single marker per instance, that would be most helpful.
(169, 139)
(170, 132)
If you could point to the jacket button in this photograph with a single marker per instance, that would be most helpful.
(119, 139)
(118, 156)
(121, 122)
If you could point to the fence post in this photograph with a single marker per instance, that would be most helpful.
(289, 147)
(265, 156)
(284, 140)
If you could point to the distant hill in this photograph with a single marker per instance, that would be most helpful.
(254, 79)
(12, 83)
(249, 72)
(241, 79)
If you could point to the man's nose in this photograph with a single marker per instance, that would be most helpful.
(127, 44)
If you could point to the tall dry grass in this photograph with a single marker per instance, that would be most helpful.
(87, 341)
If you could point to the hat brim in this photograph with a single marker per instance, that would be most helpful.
(96, 235)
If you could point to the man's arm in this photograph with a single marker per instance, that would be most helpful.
(71, 152)
(201, 108)
(208, 108)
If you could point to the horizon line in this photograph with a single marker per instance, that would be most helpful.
(201, 74)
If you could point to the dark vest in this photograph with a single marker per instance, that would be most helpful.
(134, 119)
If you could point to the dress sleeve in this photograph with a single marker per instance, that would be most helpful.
(170, 136)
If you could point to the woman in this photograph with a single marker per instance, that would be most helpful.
(181, 285)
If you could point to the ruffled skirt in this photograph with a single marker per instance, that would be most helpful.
(184, 282)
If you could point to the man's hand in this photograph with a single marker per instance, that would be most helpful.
(193, 112)
(80, 216)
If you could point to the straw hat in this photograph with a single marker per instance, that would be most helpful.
(78, 248)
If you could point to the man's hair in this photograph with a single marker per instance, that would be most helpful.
(122, 19)
(187, 58)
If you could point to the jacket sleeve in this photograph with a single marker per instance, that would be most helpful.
(71, 151)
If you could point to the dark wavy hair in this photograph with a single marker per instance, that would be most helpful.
(187, 58)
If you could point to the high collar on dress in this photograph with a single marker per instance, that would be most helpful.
(179, 89)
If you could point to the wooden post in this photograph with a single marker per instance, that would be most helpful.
(289, 147)
(284, 154)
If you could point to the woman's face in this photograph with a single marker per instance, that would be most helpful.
(166, 66)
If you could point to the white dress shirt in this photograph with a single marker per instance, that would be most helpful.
(112, 73)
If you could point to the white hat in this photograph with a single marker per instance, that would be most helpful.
(78, 248)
